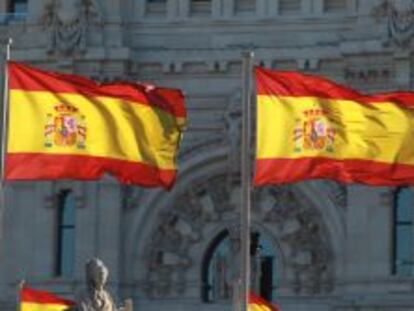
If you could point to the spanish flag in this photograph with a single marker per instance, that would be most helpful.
(68, 127)
(258, 304)
(309, 127)
(36, 300)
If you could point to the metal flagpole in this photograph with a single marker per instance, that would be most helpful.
(245, 181)
(4, 135)
(5, 110)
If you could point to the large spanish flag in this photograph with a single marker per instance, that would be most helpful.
(68, 127)
(36, 300)
(258, 304)
(309, 127)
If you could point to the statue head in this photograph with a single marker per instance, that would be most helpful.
(96, 273)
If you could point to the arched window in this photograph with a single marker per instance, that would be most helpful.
(65, 250)
(403, 232)
(220, 268)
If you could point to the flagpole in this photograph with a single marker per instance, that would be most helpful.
(4, 136)
(19, 290)
(5, 109)
(245, 216)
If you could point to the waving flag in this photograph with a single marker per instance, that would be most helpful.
(309, 127)
(68, 127)
(258, 304)
(36, 300)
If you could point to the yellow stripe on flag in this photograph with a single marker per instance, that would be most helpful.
(378, 131)
(258, 307)
(107, 122)
(31, 306)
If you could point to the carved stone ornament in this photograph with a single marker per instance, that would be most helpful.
(300, 230)
(67, 22)
(399, 15)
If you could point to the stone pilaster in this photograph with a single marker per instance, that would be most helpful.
(108, 209)
(402, 69)
(368, 242)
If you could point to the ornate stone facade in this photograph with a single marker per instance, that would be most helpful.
(333, 243)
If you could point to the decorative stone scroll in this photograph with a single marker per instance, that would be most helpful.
(399, 15)
(67, 22)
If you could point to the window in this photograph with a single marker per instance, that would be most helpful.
(334, 6)
(245, 6)
(219, 269)
(200, 7)
(66, 215)
(17, 6)
(16, 9)
(403, 232)
(289, 6)
(156, 8)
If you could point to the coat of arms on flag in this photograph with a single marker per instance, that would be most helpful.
(65, 127)
(314, 131)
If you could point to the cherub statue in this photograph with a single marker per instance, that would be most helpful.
(96, 298)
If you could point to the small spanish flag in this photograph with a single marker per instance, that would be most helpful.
(68, 127)
(309, 127)
(258, 304)
(36, 300)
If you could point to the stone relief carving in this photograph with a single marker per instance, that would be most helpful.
(67, 22)
(400, 20)
(299, 228)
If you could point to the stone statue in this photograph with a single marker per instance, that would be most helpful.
(67, 22)
(400, 20)
(96, 298)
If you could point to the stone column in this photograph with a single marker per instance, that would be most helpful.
(108, 207)
(352, 6)
(86, 224)
(318, 7)
(172, 9)
(3, 7)
(184, 8)
(140, 8)
(402, 69)
(368, 243)
(267, 8)
(306, 7)
(366, 6)
(228, 8)
(113, 30)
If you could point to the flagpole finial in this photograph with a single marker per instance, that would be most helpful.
(21, 283)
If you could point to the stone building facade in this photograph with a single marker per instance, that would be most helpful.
(321, 245)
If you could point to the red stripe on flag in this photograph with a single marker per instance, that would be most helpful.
(289, 83)
(24, 77)
(42, 297)
(41, 166)
(281, 171)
